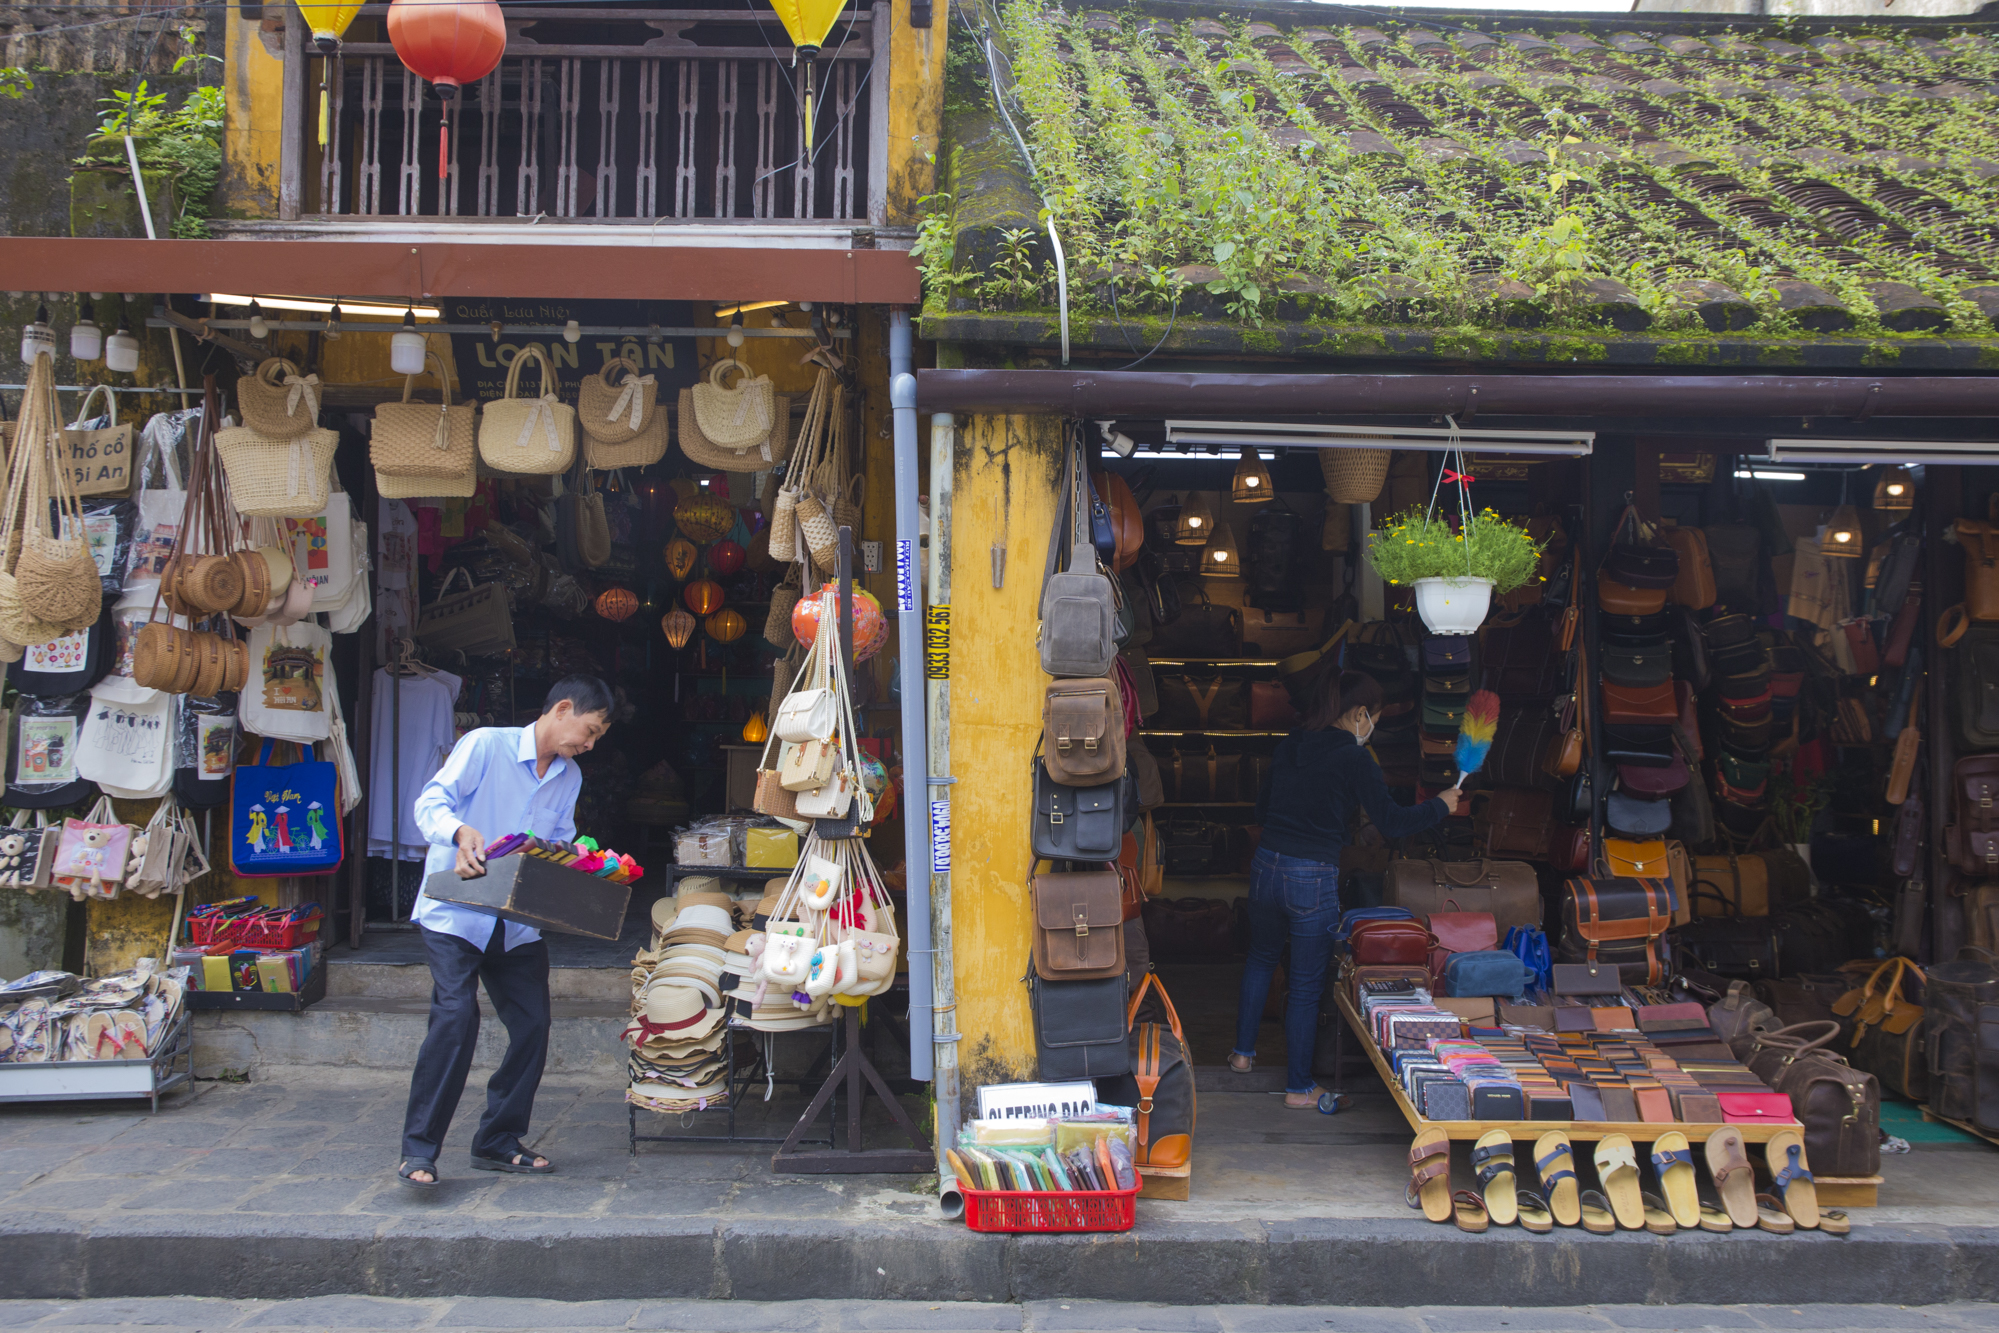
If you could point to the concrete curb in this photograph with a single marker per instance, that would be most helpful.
(1307, 1262)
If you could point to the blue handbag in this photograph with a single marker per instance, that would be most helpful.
(284, 819)
(1486, 972)
(1530, 946)
(1354, 916)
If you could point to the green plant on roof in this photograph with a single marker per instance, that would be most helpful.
(1410, 546)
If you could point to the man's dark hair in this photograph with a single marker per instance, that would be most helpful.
(586, 694)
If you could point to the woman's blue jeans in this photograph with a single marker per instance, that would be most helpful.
(1299, 900)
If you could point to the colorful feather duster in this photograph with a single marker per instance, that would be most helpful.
(1476, 732)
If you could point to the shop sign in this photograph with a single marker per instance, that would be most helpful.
(483, 360)
(1036, 1101)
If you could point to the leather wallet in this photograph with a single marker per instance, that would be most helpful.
(1756, 1108)
(1654, 1106)
(1586, 979)
(1620, 1104)
(1528, 1015)
(1473, 1009)
(1585, 1101)
(1699, 1108)
(1550, 1106)
(1498, 1101)
(1614, 1019)
(1574, 1020)
(1667, 1017)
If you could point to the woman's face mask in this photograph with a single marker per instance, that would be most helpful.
(1364, 728)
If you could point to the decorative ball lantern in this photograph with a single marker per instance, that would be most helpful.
(449, 43)
(703, 597)
(678, 626)
(870, 626)
(726, 557)
(726, 626)
(703, 518)
(617, 604)
(680, 557)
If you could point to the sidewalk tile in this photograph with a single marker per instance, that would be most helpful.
(1082, 1316)
(149, 1311)
(305, 1196)
(1488, 1319)
(922, 1316)
(370, 1312)
(192, 1196)
(1316, 1319)
(492, 1312)
(19, 1314)
(69, 1196)
(1677, 1316)
(1816, 1317)
(735, 1316)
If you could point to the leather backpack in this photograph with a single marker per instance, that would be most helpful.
(1981, 568)
(1083, 731)
(1160, 1086)
(1078, 924)
(1268, 557)
(1079, 823)
(1972, 839)
(1839, 1106)
(1079, 602)
(1519, 746)
(1976, 694)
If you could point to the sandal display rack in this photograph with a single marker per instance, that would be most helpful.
(152, 1076)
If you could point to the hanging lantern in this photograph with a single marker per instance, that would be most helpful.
(703, 597)
(870, 626)
(617, 603)
(679, 627)
(1843, 536)
(1220, 558)
(449, 43)
(726, 557)
(807, 22)
(1252, 479)
(726, 626)
(703, 518)
(756, 731)
(680, 557)
(328, 20)
(1196, 523)
(1895, 489)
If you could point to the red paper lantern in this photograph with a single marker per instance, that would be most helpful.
(703, 597)
(726, 557)
(617, 603)
(448, 42)
(726, 626)
(870, 626)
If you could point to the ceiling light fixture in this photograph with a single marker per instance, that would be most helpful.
(1900, 453)
(1895, 489)
(1843, 536)
(1251, 484)
(1220, 558)
(86, 340)
(372, 309)
(1196, 523)
(1315, 435)
(722, 310)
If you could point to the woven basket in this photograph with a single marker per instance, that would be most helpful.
(255, 572)
(424, 439)
(164, 657)
(60, 581)
(271, 478)
(764, 452)
(611, 413)
(784, 526)
(279, 409)
(1354, 476)
(642, 450)
(820, 534)
(847, 504)
(743, 417)
(212, 583)
(772, 799)
(777, 625)
(427, 488)
(16, 625)
(534, 437)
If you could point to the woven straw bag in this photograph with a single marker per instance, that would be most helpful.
(532, 436)
(55, 578)
(427, 488)
(777, 625)
(272, 478)
(613, 414)
(742, 429)
(424, 440)
(279, 408)
(1354, 476)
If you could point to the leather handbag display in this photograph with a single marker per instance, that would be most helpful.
(1839, 1106)
(1391, 944)
(1078, 635)
(1981, 568)
(1887, 1028)
(1080, 1027)
(1642, 667)
(1083, 731)
(1079, 823)
(1160, 1085)
(1625, 705)
(1515, 822)
(1728, 946)
(1955, 994)
(1694, 586)
(1202, 703)
(1078, 925)
(1631, 816)
(1202, 629)
(1520, 746)
(1635, 631)
(1520, 660)
(1622, 599)
(1618, 920)
(1636, 559)
(1270, 707)
(1507, 891)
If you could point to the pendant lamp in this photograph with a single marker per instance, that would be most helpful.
(1220, 558)
(807, 22)
(1895, 488)
(449, 43)
(1252, 480)
(678, 626)
(1196, 523)
(1843, 537)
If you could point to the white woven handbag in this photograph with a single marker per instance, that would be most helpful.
(532, 436)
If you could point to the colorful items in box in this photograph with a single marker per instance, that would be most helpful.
(583, 856)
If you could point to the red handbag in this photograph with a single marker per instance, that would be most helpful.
(1465, 932)
(1753, 709)
(1270, 707)
(1391, 944)
(1639, 705)
(1757, 1108)
(1568, 850)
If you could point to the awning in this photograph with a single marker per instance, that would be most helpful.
(428, 270)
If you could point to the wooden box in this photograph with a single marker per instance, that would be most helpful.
(541, 894)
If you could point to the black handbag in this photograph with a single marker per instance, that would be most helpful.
(1636, 817)
(1079, 1028)
(1648, 747)
(1639, 664)
(1202, 629)
(1634, 631)
(1744, 947)
(1080, 823)
(1690, 660)
(1189, 847)
(1635, 561)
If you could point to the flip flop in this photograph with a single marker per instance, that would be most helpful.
(1534, 1214)
(520, 1161)
(1734, 1178)
(1469, 1210)
(1430, 1175)
(1617, 1171)
(1597, 1218)
(1833, 1222)
(1713, 1219)
(1658, 1221)
(1555, 1161)
(1791, 1179)
(1492, 1159)
(1673, 1159)
(412, 1164)
(1770, 1215)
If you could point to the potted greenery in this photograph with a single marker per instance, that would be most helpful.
(1455, 573)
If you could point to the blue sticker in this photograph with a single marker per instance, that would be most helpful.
(940, 837)
(905, 576)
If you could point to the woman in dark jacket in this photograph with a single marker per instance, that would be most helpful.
(1319, 774)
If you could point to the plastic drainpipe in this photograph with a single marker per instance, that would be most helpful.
(1061, 259)
(943, 448)
(909, 632)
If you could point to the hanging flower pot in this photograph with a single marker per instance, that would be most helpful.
(1453, 606)
(1455, 571)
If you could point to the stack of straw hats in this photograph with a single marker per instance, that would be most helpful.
(676, 1032)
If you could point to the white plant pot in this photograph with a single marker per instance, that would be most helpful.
(1453, 606)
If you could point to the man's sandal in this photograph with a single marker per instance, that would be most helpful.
(520, 1161)
(1469, 1211)
(410, 1166)
(1492, 1160)
(1430, 1175)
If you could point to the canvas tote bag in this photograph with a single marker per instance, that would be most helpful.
(286, 695)
(161, 498)
(99, 458)
(127, 749)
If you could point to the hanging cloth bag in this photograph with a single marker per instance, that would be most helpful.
(55, 579)
(277, 402)
(127, 749)
(161, 498)
(91, 853)
(531, 436)
(286, 697)
(622, 423)
(27, 854)
(423, 440)
(322, 551)
(68, 663)
(281, 819)
(99, 458)
(42, 772)
(205, 736)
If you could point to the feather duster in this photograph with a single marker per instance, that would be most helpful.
(1476, 732)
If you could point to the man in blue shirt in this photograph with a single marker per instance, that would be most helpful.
(498, 780)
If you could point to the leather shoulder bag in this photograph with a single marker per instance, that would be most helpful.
(1078, 600)
(1079, 1027)
(1083, 731)
(1839, 1106)
(1078, 924)
(1079, 823)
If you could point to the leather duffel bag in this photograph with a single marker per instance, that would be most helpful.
(1738, 1018)
(1190, 929)
(1823, 934)
(1741, 947)
(1887, 1026)
(1811, 997)
(1160, 1085)
(1953, 994)
(1618, 920)
(1508, 890)
(1839, 1106)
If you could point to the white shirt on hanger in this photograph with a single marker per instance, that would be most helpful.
(422, 743)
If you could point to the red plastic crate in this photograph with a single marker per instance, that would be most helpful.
(261, 933)
(1046, 1210)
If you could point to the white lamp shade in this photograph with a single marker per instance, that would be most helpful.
(36, 338)
(86, 341)
(406, 353)
(121, 352)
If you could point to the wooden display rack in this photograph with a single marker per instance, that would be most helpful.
(1964, 1125)
(1158, 1182)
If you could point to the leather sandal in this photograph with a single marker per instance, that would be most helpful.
(1304, 1101)
(1770, 1215)
(1617, 1171)
(1834, 1222)
(1734, 1178)
(1791, 1179)
(1469, 1210)
(1713, 1219)
(1492, 1160)
(1243, 1068)
(1673, 1159)
(1534, 1214)
(1658, 1220)
(1597, 1218)
(411, 1165)
(520, 1161)
(1555, 1161)
(1430, 1175)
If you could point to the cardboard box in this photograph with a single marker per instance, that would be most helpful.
(541, 894)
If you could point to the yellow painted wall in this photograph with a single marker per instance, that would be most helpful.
(1005, 487)
(253, 90)
(915, 109)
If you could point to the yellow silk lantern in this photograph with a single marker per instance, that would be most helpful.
(756, 731)
(680, 557)
(328, 20)
(704, 518)
(726, 626)
(617, 603)
(703, 597)
(807, 22)
(679, 627)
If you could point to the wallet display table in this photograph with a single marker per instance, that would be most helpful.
(1637, 1131)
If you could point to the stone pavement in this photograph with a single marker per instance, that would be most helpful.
(283, 1188)
(360, 1314)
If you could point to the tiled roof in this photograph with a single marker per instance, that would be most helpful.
(1755, 182)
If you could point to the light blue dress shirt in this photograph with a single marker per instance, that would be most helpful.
(489, 782)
